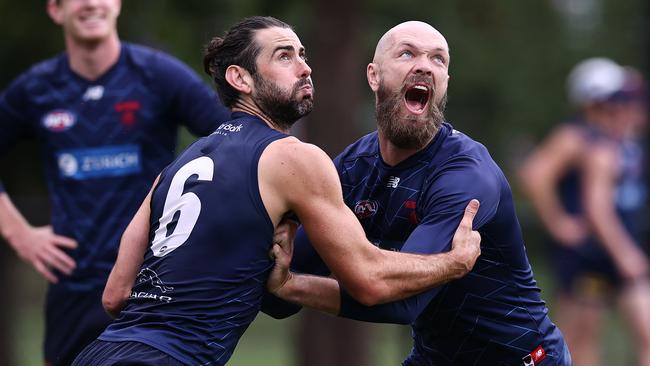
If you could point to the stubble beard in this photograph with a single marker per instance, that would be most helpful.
(283, 107)
(407, 131)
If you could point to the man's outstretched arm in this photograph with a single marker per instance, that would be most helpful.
(325, 294)
(303, 177)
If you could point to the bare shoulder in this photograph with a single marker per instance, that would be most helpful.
(293, 156)
(294, 150)
(567, 139)
(298, 167)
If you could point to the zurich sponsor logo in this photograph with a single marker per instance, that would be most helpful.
(59, 120)
(365, 208)
(105, 161)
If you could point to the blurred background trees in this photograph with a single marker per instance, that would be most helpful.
(509, 60)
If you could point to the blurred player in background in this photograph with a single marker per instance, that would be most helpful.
(407, 184)
(193, 263)
(106, 114)
(586, 183)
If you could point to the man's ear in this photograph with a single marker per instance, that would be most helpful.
(240, 79)
(54, 11)
(372, 72)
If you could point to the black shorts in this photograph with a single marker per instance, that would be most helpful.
(127, 353)
(73, 319)
(586, 272)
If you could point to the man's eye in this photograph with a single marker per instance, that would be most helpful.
(284, 57)
(407, 54)
(440, 58)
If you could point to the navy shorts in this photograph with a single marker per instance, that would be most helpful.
(127, 353)
(586, 272)
(73, 319)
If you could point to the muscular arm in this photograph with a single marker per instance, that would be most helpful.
(601, 169)
(303, 176)
(540, 175)
(325, 294)
(133, 246)
(444, 208)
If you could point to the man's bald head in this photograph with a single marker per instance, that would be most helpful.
(411, 28)
(409, 76)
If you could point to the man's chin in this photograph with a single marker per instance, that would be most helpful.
(90, 36)
(419, 120)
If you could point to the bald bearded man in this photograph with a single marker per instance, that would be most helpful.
(408, 183)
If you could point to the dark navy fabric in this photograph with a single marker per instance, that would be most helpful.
(103, 142)
(101, 353)
(73, 319)
(203, 276)
(492, 316)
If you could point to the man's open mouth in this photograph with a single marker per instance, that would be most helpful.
(416, 98)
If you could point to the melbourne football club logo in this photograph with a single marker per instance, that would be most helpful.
(127, 110)
(59, 120)
(365, 208)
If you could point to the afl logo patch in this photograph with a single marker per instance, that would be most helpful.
(59, 120)
(365, 208)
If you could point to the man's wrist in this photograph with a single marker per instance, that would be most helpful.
(12, 232)
(278, 290)
(456, 264)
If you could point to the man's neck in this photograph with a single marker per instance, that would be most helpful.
(393, 155)
(247, 105)
(91, 61)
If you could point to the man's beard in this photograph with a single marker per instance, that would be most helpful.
(410, 131)
(282, 107)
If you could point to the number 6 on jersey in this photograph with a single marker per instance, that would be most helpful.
(181, 209)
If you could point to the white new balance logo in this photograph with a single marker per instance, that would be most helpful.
(393, 182)
(93, 93)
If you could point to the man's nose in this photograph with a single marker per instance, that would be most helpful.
(423, 66)
(305, 70)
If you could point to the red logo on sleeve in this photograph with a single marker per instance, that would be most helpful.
(535, 357)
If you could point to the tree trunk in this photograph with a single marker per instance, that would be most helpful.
(335, 51)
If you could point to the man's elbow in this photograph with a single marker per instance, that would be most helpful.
(370, 293)
(112, 303)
